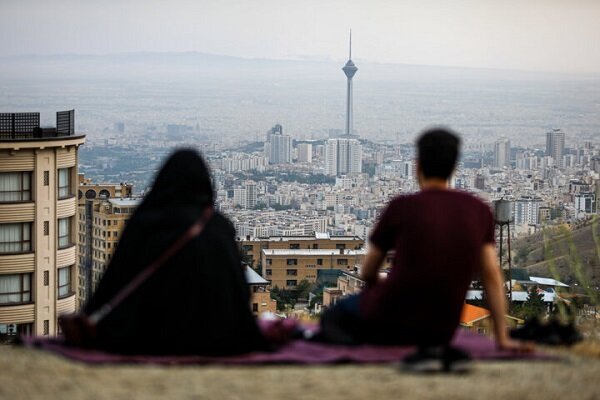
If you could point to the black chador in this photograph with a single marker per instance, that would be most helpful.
(198, 301)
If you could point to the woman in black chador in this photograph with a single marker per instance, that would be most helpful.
(198, 301)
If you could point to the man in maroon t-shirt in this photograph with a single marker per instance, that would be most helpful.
(442, 238)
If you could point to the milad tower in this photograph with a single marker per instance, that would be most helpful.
(349, 69)
(343, 155)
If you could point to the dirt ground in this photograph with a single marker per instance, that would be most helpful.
(32, 374)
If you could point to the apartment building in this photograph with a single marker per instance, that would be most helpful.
(38, 203)
(100, 224)
(285, 268)
(252, 246)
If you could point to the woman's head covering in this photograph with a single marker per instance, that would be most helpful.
(184, 180)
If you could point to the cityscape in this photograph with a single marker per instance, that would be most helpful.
(278, 187)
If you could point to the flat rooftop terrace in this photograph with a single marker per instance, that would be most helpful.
(25, 126)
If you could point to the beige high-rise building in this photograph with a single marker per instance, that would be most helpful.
(38, 203)
(101, 222)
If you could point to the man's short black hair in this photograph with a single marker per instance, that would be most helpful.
(438, 151)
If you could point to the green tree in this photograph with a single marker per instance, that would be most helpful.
(303, 288)
(534, 306)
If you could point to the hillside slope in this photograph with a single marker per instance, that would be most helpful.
(569, 254)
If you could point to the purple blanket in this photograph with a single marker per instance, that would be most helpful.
(295, 352)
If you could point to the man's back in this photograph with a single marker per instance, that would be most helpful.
(438, 236)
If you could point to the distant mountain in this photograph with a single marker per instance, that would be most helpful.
(191, 64)
(571, 255)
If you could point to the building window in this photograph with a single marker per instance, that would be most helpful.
(15, 186)
(342, 261)
(269, 272)
(46, 178)
(16, 329)
(15, 238)
(64, 282)
(292, 261)
(46, 228)
(64, 232)
(292, 272)
(340, 246)
(319, 261)
(315, 246)
(64, 182)
(254, 307)
(291, 282)
(15, 289)
(46, 327)
(294, 246)
(91, 194)
(269, 261)
(46, 278)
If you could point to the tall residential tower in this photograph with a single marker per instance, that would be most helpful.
(502, 153)
(555, 146)
(38, 203)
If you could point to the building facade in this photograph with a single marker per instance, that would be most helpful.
(343, 157)
(502, 153)
(304, 153)
(260, 295)
(38, 203)
(285, 268)
(555, 146)
(526, 210)
(100, 224)
(252, 247)
(278, 147)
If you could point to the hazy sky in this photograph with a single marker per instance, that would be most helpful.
(545, 35)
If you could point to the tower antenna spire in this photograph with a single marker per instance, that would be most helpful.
(350, 52)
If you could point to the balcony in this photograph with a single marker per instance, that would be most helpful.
(17, 263)
(65, 256)
(66, 207)
(17, 212)
(17, 314)
(66, 305)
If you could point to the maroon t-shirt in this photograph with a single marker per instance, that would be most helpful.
(438, 236)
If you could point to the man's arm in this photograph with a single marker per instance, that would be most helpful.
(496, 299)
(373, 260)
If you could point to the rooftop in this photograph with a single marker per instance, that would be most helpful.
(313, 252)
(317, 235)
(129, 202)
(253, 278)
(471, 313)
(26, 126)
